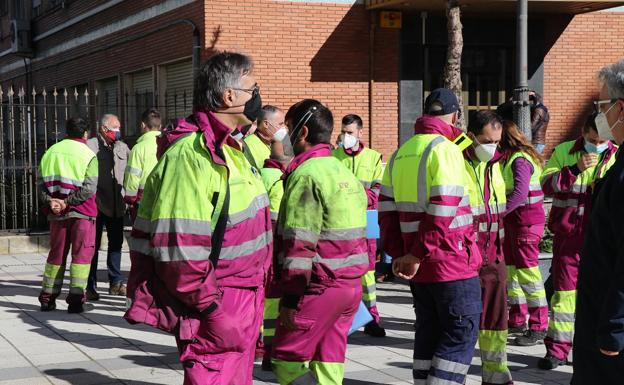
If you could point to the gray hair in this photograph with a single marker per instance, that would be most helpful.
(105, 118)
(223, 70)
(612, 76)
(266, 111)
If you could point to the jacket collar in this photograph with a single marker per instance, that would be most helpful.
(355, 152)
(214, 131)
(272, 163)
(579, 145)
(147, 134)
(427, 124)
(317, 151)
(81, 140)
(470, 155)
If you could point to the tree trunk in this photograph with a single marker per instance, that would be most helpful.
(452, 69)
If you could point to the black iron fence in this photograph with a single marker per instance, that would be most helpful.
(31, 122)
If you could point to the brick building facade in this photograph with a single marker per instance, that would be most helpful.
(136, 54)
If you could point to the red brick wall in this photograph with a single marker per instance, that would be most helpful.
(586, 44)
(314, 51)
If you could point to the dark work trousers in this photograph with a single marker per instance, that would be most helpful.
(447, 328)
(114, 231)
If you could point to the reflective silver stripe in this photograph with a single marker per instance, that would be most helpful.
(297, 263)
(51, 281)
(51, 290)
(344, 234)
(409, 227)
(563, 203)
(502, 207)
(447, 190)
(338, 263)
(78, 281)
(366, 185)
(536, 302)
(534, 200)
(449, 366)
(305, 379)
(532, 287)
(131, 193)
(497, 377)
(90, 184)
(76, 290)
(258, 203)
(246, 248)
(441, 211)
(385, 206)
(561, 336)
(135, 171)
(563, 317)
(491, 227)
(535, 187)
(181, 225)
(422, 169)
(143, 225)
(460, 221)
(274, 215)
(58, 188)
(578, 188)
(181, 253)
(410, 207)
(376, 181)
(300, 234)
(391, 165)
(478, 210)
(387, 191)
(370, 303)
(513, 285)
(517, 300)
(580, 211)
(493, 356)
(62, 179)
(422, 364)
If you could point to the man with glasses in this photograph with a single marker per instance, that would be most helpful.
(112, 154)
(599, 329)
(202, 240)
(258, 144)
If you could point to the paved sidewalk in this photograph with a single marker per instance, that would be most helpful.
(99, 347)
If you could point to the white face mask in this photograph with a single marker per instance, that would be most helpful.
(602, 125)
(485, 152)
(350, 142)
(280, 134)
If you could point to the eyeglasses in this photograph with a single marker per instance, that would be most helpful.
(253, 91)
(599, 103)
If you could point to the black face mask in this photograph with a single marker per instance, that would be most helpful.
(253, 107)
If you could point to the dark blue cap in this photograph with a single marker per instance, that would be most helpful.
(441, 101)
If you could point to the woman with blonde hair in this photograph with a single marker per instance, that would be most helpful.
(524, 226)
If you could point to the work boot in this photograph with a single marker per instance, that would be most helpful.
(117, 289)
(531, 338)
(48, 306)
(518, 330)
(266, 363)
(374, 330)
(76, 308)
(92, 294)
(550, 362)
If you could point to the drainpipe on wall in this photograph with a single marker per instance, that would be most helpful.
(371, 76)
(522, 114)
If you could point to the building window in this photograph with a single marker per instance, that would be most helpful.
(107, 96)
(176, 83)
(139, 96)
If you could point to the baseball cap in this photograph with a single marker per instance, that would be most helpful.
(441, 101)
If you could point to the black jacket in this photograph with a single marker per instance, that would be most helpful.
(600, 296)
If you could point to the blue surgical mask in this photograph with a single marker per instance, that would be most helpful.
(595, 149)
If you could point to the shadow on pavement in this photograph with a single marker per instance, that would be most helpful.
(86, 377)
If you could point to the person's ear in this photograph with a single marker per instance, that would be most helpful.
(304, 133)
(229, 95)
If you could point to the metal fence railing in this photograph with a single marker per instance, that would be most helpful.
(31, 122)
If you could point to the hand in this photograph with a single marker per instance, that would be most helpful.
(586, 161)
(57, 206)
(609, 353)
(287, 318)
(406, 266)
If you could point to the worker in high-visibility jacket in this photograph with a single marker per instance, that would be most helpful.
(569, 177)
(67, 187)
(524, 226)
(142, 159)
(365, 163)
(202, 240)
(487, 199)
(258, 144)
(427, 227)
(322, 254)
(272, 178)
